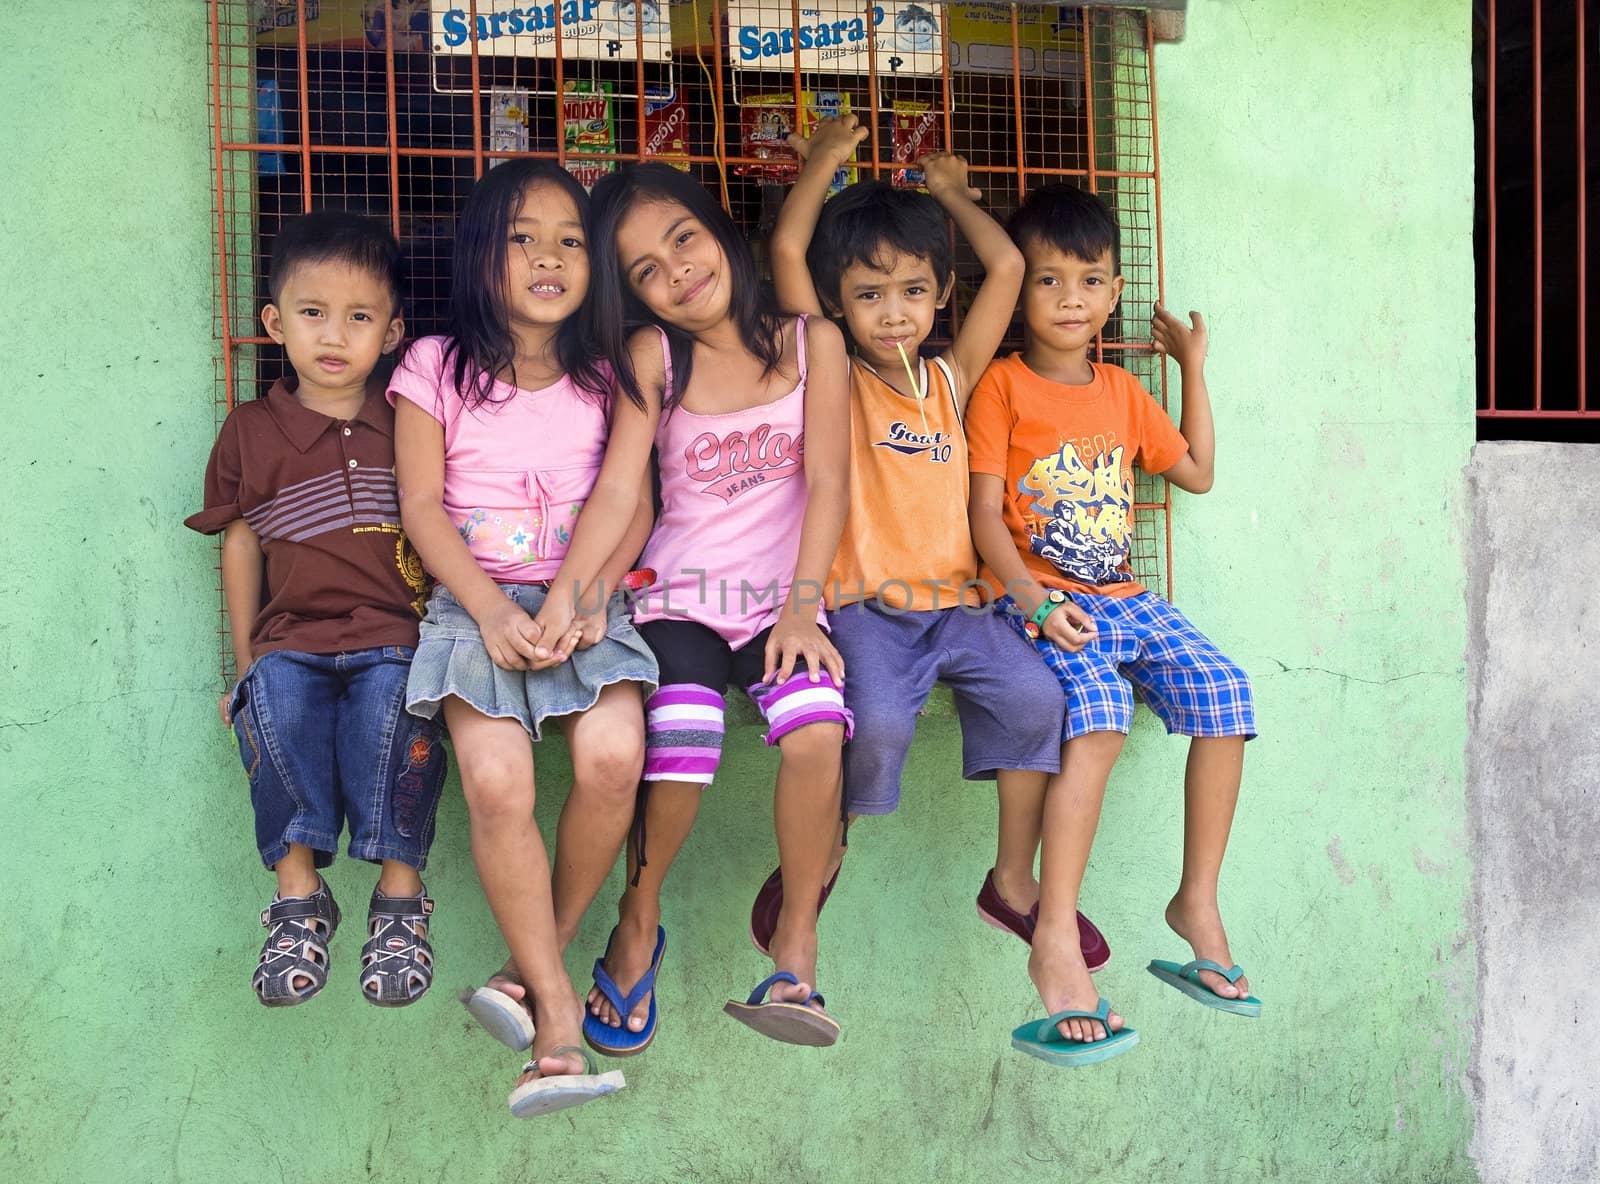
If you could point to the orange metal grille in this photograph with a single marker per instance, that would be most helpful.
(1532, 62)
(346, 104)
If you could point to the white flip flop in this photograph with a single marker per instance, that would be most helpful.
(503, 1017)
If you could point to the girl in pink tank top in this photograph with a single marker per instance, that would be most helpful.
(753, 451)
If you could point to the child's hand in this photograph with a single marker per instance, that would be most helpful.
(559, 627)
(222, 706)
(793, 638)
(1186, 345)
(1069, 627)
(510, 635)
(831, 138)
(589, 628)
(945, 174)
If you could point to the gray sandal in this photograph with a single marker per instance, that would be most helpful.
(298, 931)
(397, 961)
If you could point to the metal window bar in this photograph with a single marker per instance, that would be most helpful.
(1532, 61)
(344, 103)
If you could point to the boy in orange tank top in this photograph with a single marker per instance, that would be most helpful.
(905, 606)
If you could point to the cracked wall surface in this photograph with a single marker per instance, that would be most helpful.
(1533, 769)
(1317, 210)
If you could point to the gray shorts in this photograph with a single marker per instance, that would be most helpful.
(1006, 698)
(451, 660)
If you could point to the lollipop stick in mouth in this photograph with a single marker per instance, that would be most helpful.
(916, 387)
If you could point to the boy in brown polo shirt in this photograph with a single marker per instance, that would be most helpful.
(324, 595)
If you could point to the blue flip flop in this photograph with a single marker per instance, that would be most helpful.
(620, 1041)
(1187, 979)
(790, 1023)
(1043, 1039)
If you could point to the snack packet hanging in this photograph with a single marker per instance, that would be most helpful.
(914, 132)
(765, 121)
(666, 125)
(587, 128)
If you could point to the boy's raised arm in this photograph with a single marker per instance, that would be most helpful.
(984, 326)
(831, 144)
(1186, 344)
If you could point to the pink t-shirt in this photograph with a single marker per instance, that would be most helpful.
(733, 495)
(516, 470)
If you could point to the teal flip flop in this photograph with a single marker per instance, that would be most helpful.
(1043, 1039)
(1187, 979)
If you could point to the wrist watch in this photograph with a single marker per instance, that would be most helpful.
(1053, 600)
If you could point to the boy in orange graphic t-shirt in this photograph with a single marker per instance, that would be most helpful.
(1054, 439)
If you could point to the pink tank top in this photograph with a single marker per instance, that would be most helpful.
(733, 495)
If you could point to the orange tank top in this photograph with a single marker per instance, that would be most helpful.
(906, 542)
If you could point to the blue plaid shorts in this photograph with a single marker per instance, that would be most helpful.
(1147, 644)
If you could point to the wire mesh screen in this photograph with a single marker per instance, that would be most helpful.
(393, 108)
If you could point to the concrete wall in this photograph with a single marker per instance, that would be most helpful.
(1533, 778)
(1317, 167)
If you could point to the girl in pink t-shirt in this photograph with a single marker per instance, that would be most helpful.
(753, 453)
(523, 488)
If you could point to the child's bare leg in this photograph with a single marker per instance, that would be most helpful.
(399, 879)
(1071, 814)
(496, 765)
(1021, 793)
(670, 810)
(607, 745)
(1210, 792)
(297, 876)
(297, 871)
(806, 815)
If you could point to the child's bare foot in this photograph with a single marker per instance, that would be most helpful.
(559, 1024)
(1199, 922)
(794, 948)
(508, 982)
(633, 947)
(1058, 971)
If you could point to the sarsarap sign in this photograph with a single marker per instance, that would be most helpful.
(835, 35)
(607, 30)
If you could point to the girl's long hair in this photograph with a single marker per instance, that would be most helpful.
(480, 343)
(616, 311)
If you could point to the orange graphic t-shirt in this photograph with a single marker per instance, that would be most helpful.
(1066, 455)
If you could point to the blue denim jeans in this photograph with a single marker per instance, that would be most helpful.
(325, 738)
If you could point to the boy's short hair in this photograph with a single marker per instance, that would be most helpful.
(871, 220)
(339, 236)
(1072, 220)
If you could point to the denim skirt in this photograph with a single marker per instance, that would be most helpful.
(451, 660)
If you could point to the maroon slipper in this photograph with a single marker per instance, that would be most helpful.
(993, 908)
(769, 901)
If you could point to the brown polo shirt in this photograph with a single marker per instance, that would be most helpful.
(320, 494)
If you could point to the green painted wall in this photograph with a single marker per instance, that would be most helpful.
(1317, 163)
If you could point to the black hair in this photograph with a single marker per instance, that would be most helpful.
(480, 341)
(617, 311)
(870, 221)
(1072, 220)
(337, 236)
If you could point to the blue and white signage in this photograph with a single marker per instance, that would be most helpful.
(604, 30)
(834, 35)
